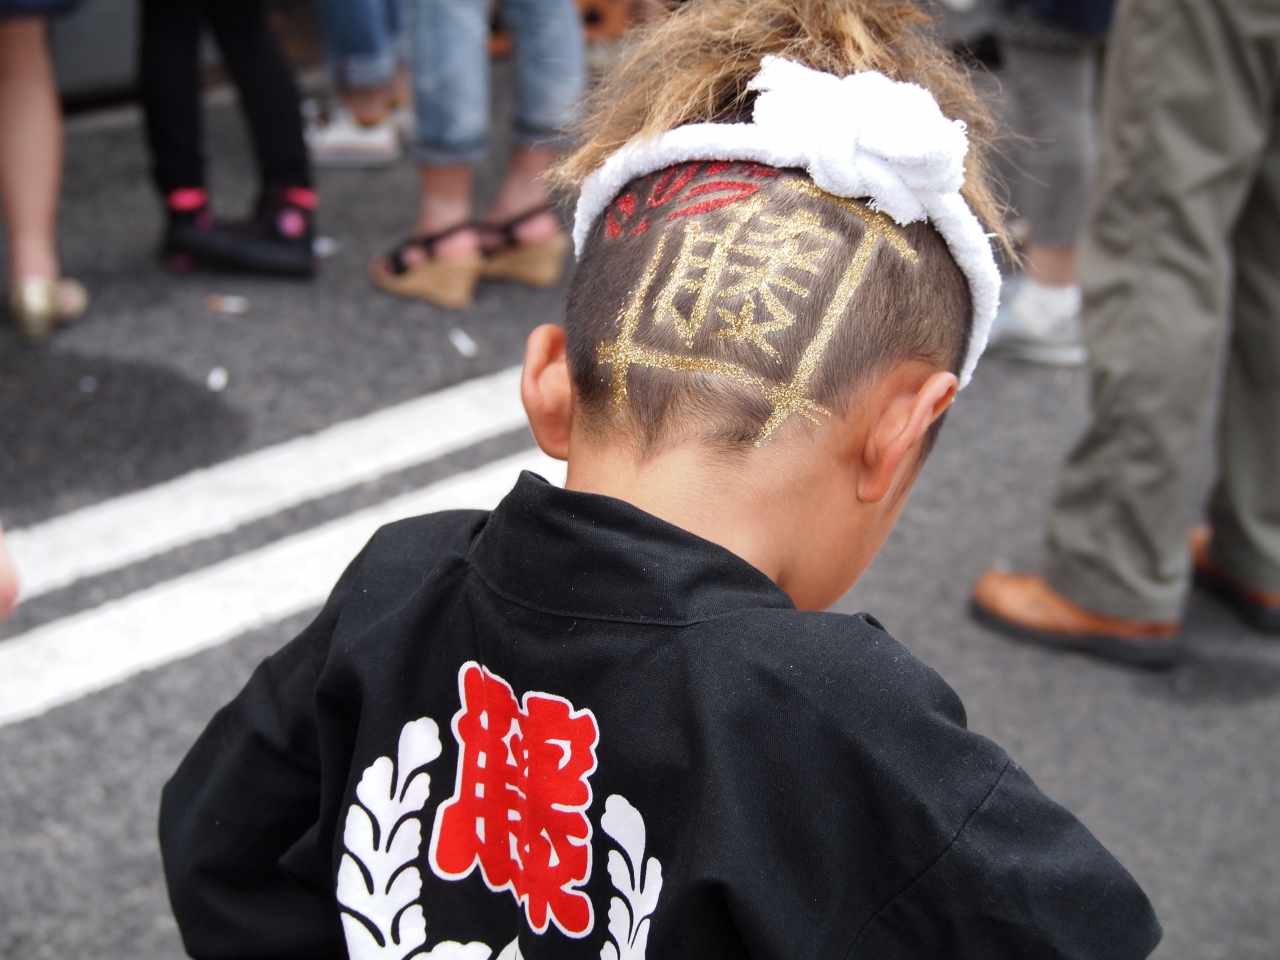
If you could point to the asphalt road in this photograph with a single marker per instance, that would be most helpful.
(1178, 772)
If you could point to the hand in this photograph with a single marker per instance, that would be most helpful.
(8, 582)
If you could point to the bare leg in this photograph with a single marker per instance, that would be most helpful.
(1051, 266)
(30, 147)
(446, 202)
(370, 105)
(8, 582)
(524, 189)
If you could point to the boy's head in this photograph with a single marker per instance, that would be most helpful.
(714, 301)
(744, 320)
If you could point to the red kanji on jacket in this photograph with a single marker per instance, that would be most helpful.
(519, 803)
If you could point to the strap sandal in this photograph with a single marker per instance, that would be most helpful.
(538, 264)
(448, 282)
(39, 306)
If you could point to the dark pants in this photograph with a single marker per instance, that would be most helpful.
(170, 86)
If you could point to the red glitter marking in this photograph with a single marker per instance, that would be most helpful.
(611, 225)
(626, 203)
(672, 181)
(644, 225)
(740, 192)
(718, 167)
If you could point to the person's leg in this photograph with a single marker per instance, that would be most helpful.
(550, 62)
(1187, 105)
(1050, 94)
(1245, 508)
(30, 148)
(169, 86)
(451, 101)
(359, 40)
(268, 93)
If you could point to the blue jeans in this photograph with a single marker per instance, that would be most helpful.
(449, 43)
(362, 40)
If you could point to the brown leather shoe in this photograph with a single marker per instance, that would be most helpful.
(1258, 608)
(1024, 607)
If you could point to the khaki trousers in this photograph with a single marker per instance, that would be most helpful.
(1182, 229)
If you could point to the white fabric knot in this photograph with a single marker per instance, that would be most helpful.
(863, 135)
(860, 136)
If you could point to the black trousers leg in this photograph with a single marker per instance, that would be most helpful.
(268, 94)
(169, 82)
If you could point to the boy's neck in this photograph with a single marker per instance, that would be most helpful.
(771, 507)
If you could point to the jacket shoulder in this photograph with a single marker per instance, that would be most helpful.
(835, 663)
(401, 559)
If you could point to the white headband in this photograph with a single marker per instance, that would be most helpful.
(861, 136)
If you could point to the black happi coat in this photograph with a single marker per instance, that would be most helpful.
(660, 757)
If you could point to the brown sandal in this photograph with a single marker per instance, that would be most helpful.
(447, 282)
(539, 264)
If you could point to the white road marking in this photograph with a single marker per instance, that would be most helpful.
(77, 655)
(217, 499)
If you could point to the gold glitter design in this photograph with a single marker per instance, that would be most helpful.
(742, 326)
(688, 263)
(782, 252)
(788, 397)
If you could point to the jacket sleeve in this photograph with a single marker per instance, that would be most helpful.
(1023, 878)
(245, 795)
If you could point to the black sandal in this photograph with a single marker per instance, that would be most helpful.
(538, 264)
(427, 244)
(449, 282)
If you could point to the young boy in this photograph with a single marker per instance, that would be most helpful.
(607, 721)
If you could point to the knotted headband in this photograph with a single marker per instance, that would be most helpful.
(860, 136)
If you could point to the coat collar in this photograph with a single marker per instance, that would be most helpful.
(594, 557)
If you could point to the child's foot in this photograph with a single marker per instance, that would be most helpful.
(1024, 607)
(1258, 608)
(1039, 323)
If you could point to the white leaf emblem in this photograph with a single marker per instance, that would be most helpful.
(452, 950)
(629, 919)
(378, 886)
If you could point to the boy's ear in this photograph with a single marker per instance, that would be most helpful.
(546, 391)
(905, 404)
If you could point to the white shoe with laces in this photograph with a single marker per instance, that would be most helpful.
(340, 141)
(1039, 323)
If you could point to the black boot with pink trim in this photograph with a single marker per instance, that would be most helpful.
(276, 240)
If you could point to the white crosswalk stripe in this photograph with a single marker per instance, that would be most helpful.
(68, 658)
(215, 500)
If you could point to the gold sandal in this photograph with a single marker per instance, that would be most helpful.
(448, 282)
(538, 264)
(39, 306)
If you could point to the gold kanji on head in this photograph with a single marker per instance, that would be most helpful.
(782, 259)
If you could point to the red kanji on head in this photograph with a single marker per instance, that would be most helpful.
(519, 803)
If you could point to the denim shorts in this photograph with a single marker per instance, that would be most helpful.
(362, 39)
(449, 53)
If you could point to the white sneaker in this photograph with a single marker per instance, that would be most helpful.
(1039, 323)
(339, 141)
(405, 122)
